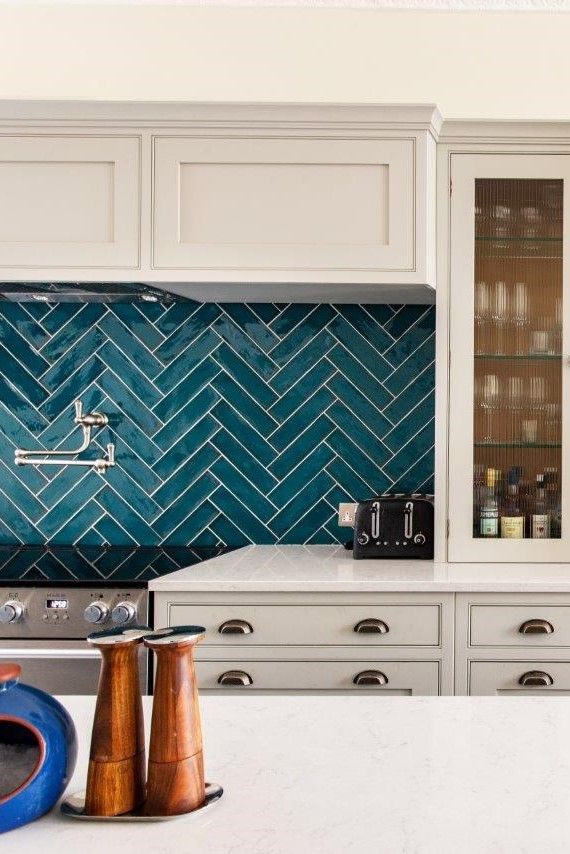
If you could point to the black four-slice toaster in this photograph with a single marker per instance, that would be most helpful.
(394, 526)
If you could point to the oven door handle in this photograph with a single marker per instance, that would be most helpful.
(47, 652)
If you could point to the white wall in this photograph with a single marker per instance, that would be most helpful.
(493, 64)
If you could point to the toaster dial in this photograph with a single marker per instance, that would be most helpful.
(363, 539)
(419, 539)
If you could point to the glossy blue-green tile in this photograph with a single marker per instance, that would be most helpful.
(189, 530)
(367, 326)
(412, 395)
(189, 471)
(244, 317)
(130, 345)
(295, 509)
(418, 478)
(25, 324)
(174, 402)
(121, 511)
(20, 379)
(296, 367)
(187, 445)
(245, 376)
(227, 533)
(231, 477)
(411, 452)
(77, 525)
(112, 533)
(293, 315)
(247, 407)
(346, 421)
(353, 370)
(125, 403)
(302, 334)
(139, 383)
(180, 366)
(187, 417)
(248, 436)
(293, 483)
(301, 419)
(302, 390)
(307, 525)
(237, 454)
(67, 333)
(245, 347)
(412, 339)
(349, 451)
(409, 370)
(185, 504)
(411, 424)
(301, 447)
(185, 331)
(357, 485)
(359, 404)
(74, 387)
(137, 323)
(69, 496)
(249, 524)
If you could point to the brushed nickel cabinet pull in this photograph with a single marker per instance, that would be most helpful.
(236, 627)
(235, 677)
(536, 627)
(370, 677)
(536, 679)
(372, 627)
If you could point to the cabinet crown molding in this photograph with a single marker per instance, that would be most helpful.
(221, 115)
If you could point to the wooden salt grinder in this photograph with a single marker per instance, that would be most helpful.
(116, 774)
(176, 765)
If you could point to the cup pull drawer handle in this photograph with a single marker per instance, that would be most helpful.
(236, 627)
(536, 679)
(372, 627)
(370, 677)
(235, 677)
(536, 627)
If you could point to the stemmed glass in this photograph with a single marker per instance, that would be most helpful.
(500, 316)
(489, 401)
(482, 314)
(515, 395)
(520, 317)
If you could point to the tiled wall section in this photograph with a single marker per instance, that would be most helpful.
(233, 423)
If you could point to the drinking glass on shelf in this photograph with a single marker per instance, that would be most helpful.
(557, 336)
(510, 427)
(531, 221)
(482, 315)
(502, 216)
(552, 423)
(500, 315)
(489, 401)
(537, 401)
(521, 317)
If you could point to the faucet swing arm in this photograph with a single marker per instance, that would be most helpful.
(88, 421)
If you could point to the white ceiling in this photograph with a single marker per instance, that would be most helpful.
(461, 5)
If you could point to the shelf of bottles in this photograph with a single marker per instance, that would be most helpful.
(518, 364)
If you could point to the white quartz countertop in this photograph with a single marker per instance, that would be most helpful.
(343, 774)
(332, 568)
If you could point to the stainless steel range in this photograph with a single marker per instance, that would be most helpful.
(44, 628)
(52, 597)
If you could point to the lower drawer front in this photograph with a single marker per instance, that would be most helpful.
(366, 625)
(520, 625)
(384, 677)
(519, 677)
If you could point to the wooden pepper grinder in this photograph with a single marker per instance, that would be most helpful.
(116, 774)
(176, 765)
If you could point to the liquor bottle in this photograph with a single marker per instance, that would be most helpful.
(540, 518)
(553, 501)
(478, 489)
(512, 516)
(489, 507)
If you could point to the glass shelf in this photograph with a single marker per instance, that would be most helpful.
(495, 239)
(534, 357)
(532, 445)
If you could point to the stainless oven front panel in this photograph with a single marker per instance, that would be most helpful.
(61, 667)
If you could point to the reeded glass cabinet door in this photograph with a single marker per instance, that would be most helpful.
(508, 304)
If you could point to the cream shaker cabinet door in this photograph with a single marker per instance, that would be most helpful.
(285, 209)
(69, 202)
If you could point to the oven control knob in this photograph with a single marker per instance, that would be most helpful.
(96, 612)
(11, 612)
(123, 613)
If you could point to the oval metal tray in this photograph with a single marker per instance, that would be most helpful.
(74, 807)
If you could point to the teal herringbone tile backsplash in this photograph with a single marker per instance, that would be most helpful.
(233, 423)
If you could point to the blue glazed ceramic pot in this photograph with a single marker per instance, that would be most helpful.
(38, 748)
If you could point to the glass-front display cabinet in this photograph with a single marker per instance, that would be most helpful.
(509, 304)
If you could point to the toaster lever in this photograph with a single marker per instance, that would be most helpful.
(409, 520)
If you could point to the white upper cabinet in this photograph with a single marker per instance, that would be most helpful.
(288, 209)
(69, 202)
(309, 203)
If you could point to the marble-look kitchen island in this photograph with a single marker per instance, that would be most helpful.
(331, 774)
